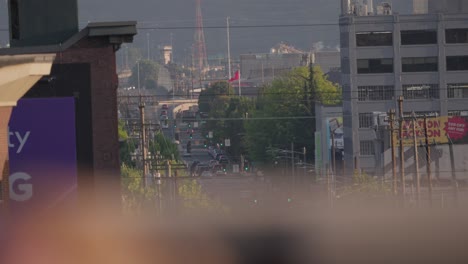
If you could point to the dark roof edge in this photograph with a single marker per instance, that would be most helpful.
(118, 28)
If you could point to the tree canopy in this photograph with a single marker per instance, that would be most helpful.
(285, 112)
(147, 71)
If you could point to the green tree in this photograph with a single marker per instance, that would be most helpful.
(127, 146)
(217, 91)
(167, 149)
(194, 199)
(285, 112)
(148, 73)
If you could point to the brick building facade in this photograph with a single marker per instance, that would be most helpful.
(85, 68)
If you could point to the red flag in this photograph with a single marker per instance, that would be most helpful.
(236, 77)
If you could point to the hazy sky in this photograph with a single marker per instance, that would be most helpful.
(181, 13)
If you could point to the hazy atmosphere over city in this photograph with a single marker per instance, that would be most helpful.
(233, 131)
(152, 14)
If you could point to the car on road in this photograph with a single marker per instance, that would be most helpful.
(200, 168)
(206, 174)
(163, 112)
(187, 155)
(164, 107)
(163, 117)
(220, 173)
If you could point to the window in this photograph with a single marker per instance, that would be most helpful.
(421, 114)
(366, 120)
(376, 93)
(418, 37)
(457, 63)
(457, 90)
(374, 66)
(367, 148)
(458, 113)
(369, 39)
(421, 91)
(14, 19)
(456, 35)
(419, 64)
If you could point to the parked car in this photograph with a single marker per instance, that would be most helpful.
(220, 172)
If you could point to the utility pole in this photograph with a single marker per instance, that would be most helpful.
(391, 116)
(292, 168)
(416, 162)
(454, 174)
(428, 161)
(143, 144)
(228, 47)
(402, 150)
(304, 151)
(333, 152)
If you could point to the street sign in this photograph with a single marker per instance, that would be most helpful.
(210, 134)
(235, 168)
(227, 142)
(195, 124)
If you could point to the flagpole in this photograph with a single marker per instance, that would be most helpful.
(229, 47)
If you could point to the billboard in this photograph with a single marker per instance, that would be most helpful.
(42, 152)
(440, 130)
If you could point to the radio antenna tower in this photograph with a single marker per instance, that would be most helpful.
(200, 46)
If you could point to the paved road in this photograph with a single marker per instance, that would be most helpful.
(232, 191)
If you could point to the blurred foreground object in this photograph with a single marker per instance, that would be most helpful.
(392, 236)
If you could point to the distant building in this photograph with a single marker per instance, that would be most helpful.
(448, 6)
(263, 68)
(166, 54)
(423, 57)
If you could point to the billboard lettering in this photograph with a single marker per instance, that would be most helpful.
(440, 130)
(42, 152)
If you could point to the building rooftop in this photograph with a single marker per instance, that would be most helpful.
(118, 32)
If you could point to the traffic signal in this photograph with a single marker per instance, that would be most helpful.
(204, 143)
(189, 125)
(289, 200)
(191, 136)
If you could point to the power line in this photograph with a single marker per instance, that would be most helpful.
(240, 26)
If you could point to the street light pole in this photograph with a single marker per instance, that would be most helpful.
(148, 45)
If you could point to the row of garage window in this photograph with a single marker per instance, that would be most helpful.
(411, 37)
(411, 91)
(411, 64)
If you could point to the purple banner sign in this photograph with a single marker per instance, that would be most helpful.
(42, 152)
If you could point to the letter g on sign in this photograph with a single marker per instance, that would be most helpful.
(20, 189)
